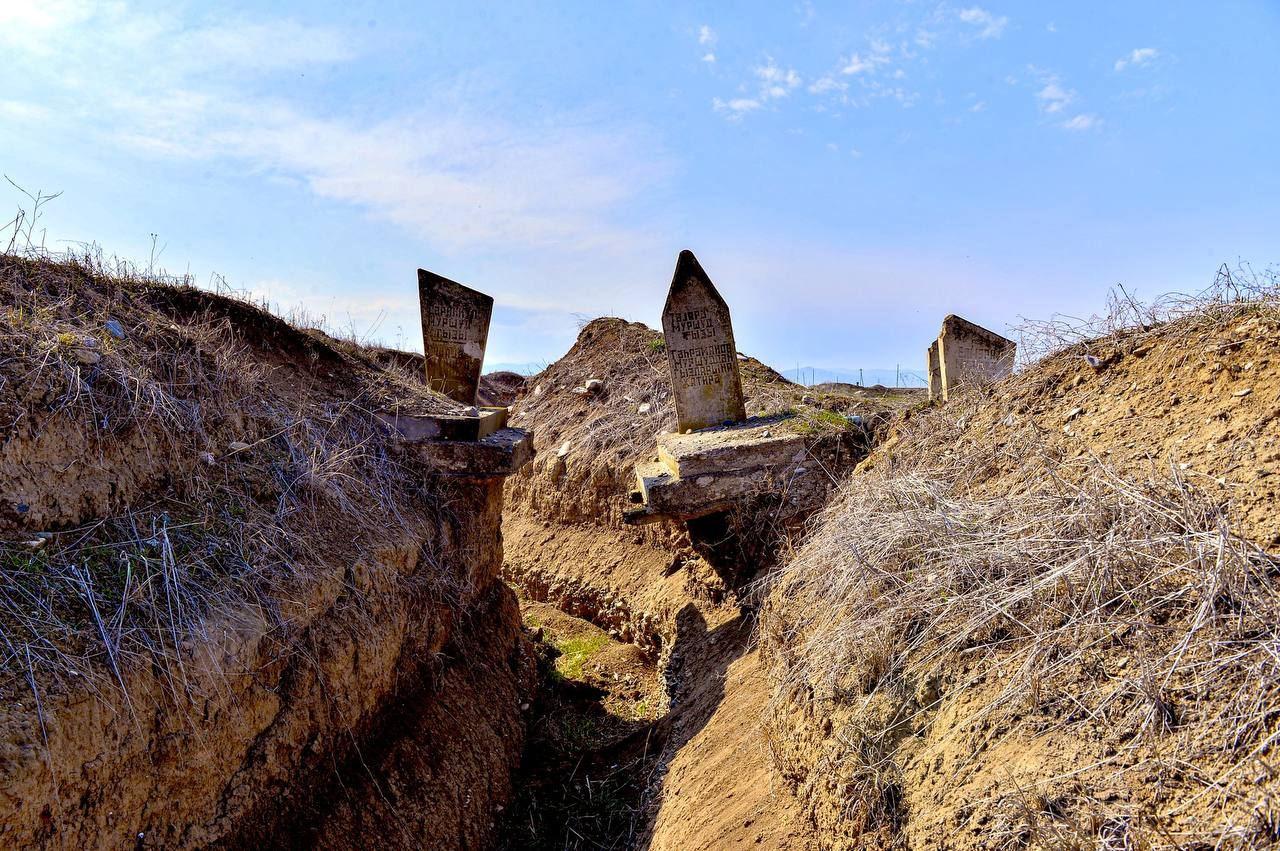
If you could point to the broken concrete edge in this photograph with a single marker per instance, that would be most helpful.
(502, 453)
(709, 472)
(495, 451)
(415, 429)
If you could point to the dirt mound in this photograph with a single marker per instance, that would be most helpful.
(1042, 615)
(220, 575)
(501, 389)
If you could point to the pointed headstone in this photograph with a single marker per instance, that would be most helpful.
(455, 329)
(700, 350)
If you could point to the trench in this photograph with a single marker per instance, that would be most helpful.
(621, 692)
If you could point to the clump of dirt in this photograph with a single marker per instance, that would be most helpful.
(1042, 615)
(219, 573)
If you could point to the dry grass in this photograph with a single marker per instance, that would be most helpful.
(1029, 595)
(227, 530)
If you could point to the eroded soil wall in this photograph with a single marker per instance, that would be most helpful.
(365, 709)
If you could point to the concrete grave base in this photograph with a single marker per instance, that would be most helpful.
(478, 447)
(706, 472)
(446, 427)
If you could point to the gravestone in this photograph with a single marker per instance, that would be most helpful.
(455, 329)
(935, 372)
(969, 354)
(700, 350)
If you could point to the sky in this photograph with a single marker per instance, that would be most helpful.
(847, 173)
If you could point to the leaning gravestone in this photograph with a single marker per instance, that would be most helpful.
(700, 350)
(455, 329)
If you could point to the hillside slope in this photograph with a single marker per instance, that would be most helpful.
(222, 581)
(1046, 615)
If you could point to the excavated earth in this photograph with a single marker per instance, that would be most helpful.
(679, 592)
(236, 612)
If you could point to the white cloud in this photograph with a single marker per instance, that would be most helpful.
(877, 56)
(709, 58)
(979, 106)
(156, 87)
(827, 84)
(736, 107)
(777, 81)
(707, 36)
(991, 25)
(1083, 121)
(1137, 58)
(1051, 27)
(1053, 97)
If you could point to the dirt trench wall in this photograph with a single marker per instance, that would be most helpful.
(366, 711)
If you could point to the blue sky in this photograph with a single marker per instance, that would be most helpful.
(847, 173)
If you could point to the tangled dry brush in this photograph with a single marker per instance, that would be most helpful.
(1089, 648)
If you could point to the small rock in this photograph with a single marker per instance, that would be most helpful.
(236, 446)
(768, 433)
(580, 391)
(537, 391)
(806, 399)
(471, 411)
(114, 328)
(856, 420)
(593, 385)
(207, 458)
(87, 356)
(35, 543)
(563, 450)
(1243, 392)
(644, 409)
(1073, 413)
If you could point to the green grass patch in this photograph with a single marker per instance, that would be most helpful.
(576, 652)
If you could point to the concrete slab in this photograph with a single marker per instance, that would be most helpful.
(502, 453)
(443, 427)
(708, 472)
(729, 450)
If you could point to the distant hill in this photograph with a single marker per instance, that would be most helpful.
(809, 375)
(531, 368)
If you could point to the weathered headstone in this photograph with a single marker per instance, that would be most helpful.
(701, 350)
(935, 372)
(455, 329)
(968, 354)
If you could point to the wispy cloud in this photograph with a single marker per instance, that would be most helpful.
(772, 82)
(776, 81)
(1084, 121)
(1054, 97)
(735, 108)
(876, 57)
(1137, 58)
(827, 83)
(987, 24)
(158, 87)
(707, 38)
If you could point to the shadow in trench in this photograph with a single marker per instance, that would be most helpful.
(696, 681)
